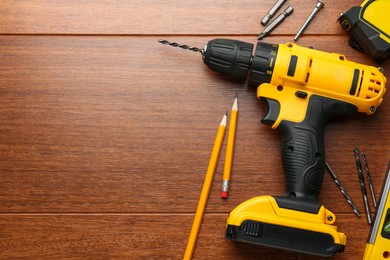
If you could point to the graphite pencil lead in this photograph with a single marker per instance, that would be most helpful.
(224, 120)
(235, 104)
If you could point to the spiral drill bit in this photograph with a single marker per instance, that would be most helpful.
(342, 189)
(183, 46)
(362, 185)
(369, 179)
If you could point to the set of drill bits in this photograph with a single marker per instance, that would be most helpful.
(363, 188)
(280, 18)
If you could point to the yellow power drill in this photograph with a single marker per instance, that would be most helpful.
(302, 88)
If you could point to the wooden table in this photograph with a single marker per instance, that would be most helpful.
(105, 134)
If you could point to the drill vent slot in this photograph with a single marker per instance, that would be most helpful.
(308, 74)
(375, 81)
(374, 87)
(307, 77)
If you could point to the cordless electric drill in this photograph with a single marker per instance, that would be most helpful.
(302, 88)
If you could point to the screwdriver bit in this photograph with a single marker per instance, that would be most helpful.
(318, 7)
(369, 180)
(362, 185)
(342, 189)
(280, 18)
(272, 11)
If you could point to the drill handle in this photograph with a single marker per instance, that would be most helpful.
(303, 153)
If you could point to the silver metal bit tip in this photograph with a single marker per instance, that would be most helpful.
(278, 20)
(342, 189)
(261, 36)
(183, 46)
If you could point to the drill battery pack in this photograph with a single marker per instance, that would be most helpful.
(369, 27)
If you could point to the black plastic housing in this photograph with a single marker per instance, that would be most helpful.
(263, 63)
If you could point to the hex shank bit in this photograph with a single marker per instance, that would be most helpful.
(272, 11)
(280, 18)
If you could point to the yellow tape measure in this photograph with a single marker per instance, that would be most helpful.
(369, 27)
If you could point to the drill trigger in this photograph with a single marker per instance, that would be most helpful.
(272, 111)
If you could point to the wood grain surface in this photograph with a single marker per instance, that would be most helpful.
(105, 134)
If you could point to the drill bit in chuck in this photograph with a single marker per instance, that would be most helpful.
(362, 185)
(280, 18)
(342, 189)
(183, 46)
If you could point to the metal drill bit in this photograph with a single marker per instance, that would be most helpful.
(183, 46)
(272, 11)
(369, 179)
(362, 185)
(280, 18)
(342, 189)
(318, 7)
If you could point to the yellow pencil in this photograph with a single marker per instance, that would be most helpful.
(205, 189)
(229, 150)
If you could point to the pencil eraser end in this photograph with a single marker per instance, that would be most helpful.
(224, 194)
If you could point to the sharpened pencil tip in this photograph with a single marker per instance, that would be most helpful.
(224, 120)
(235, 104)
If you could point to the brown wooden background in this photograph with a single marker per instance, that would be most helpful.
(105, 134)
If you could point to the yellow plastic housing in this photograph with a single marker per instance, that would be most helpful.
(265, 209)
(325, 74)
(376, 14)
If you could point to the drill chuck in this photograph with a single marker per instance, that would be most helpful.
(229, 57)
(235, 59)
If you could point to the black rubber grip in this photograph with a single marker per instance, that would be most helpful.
(303, 154)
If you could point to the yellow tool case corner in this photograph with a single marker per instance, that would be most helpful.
(369, 27)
